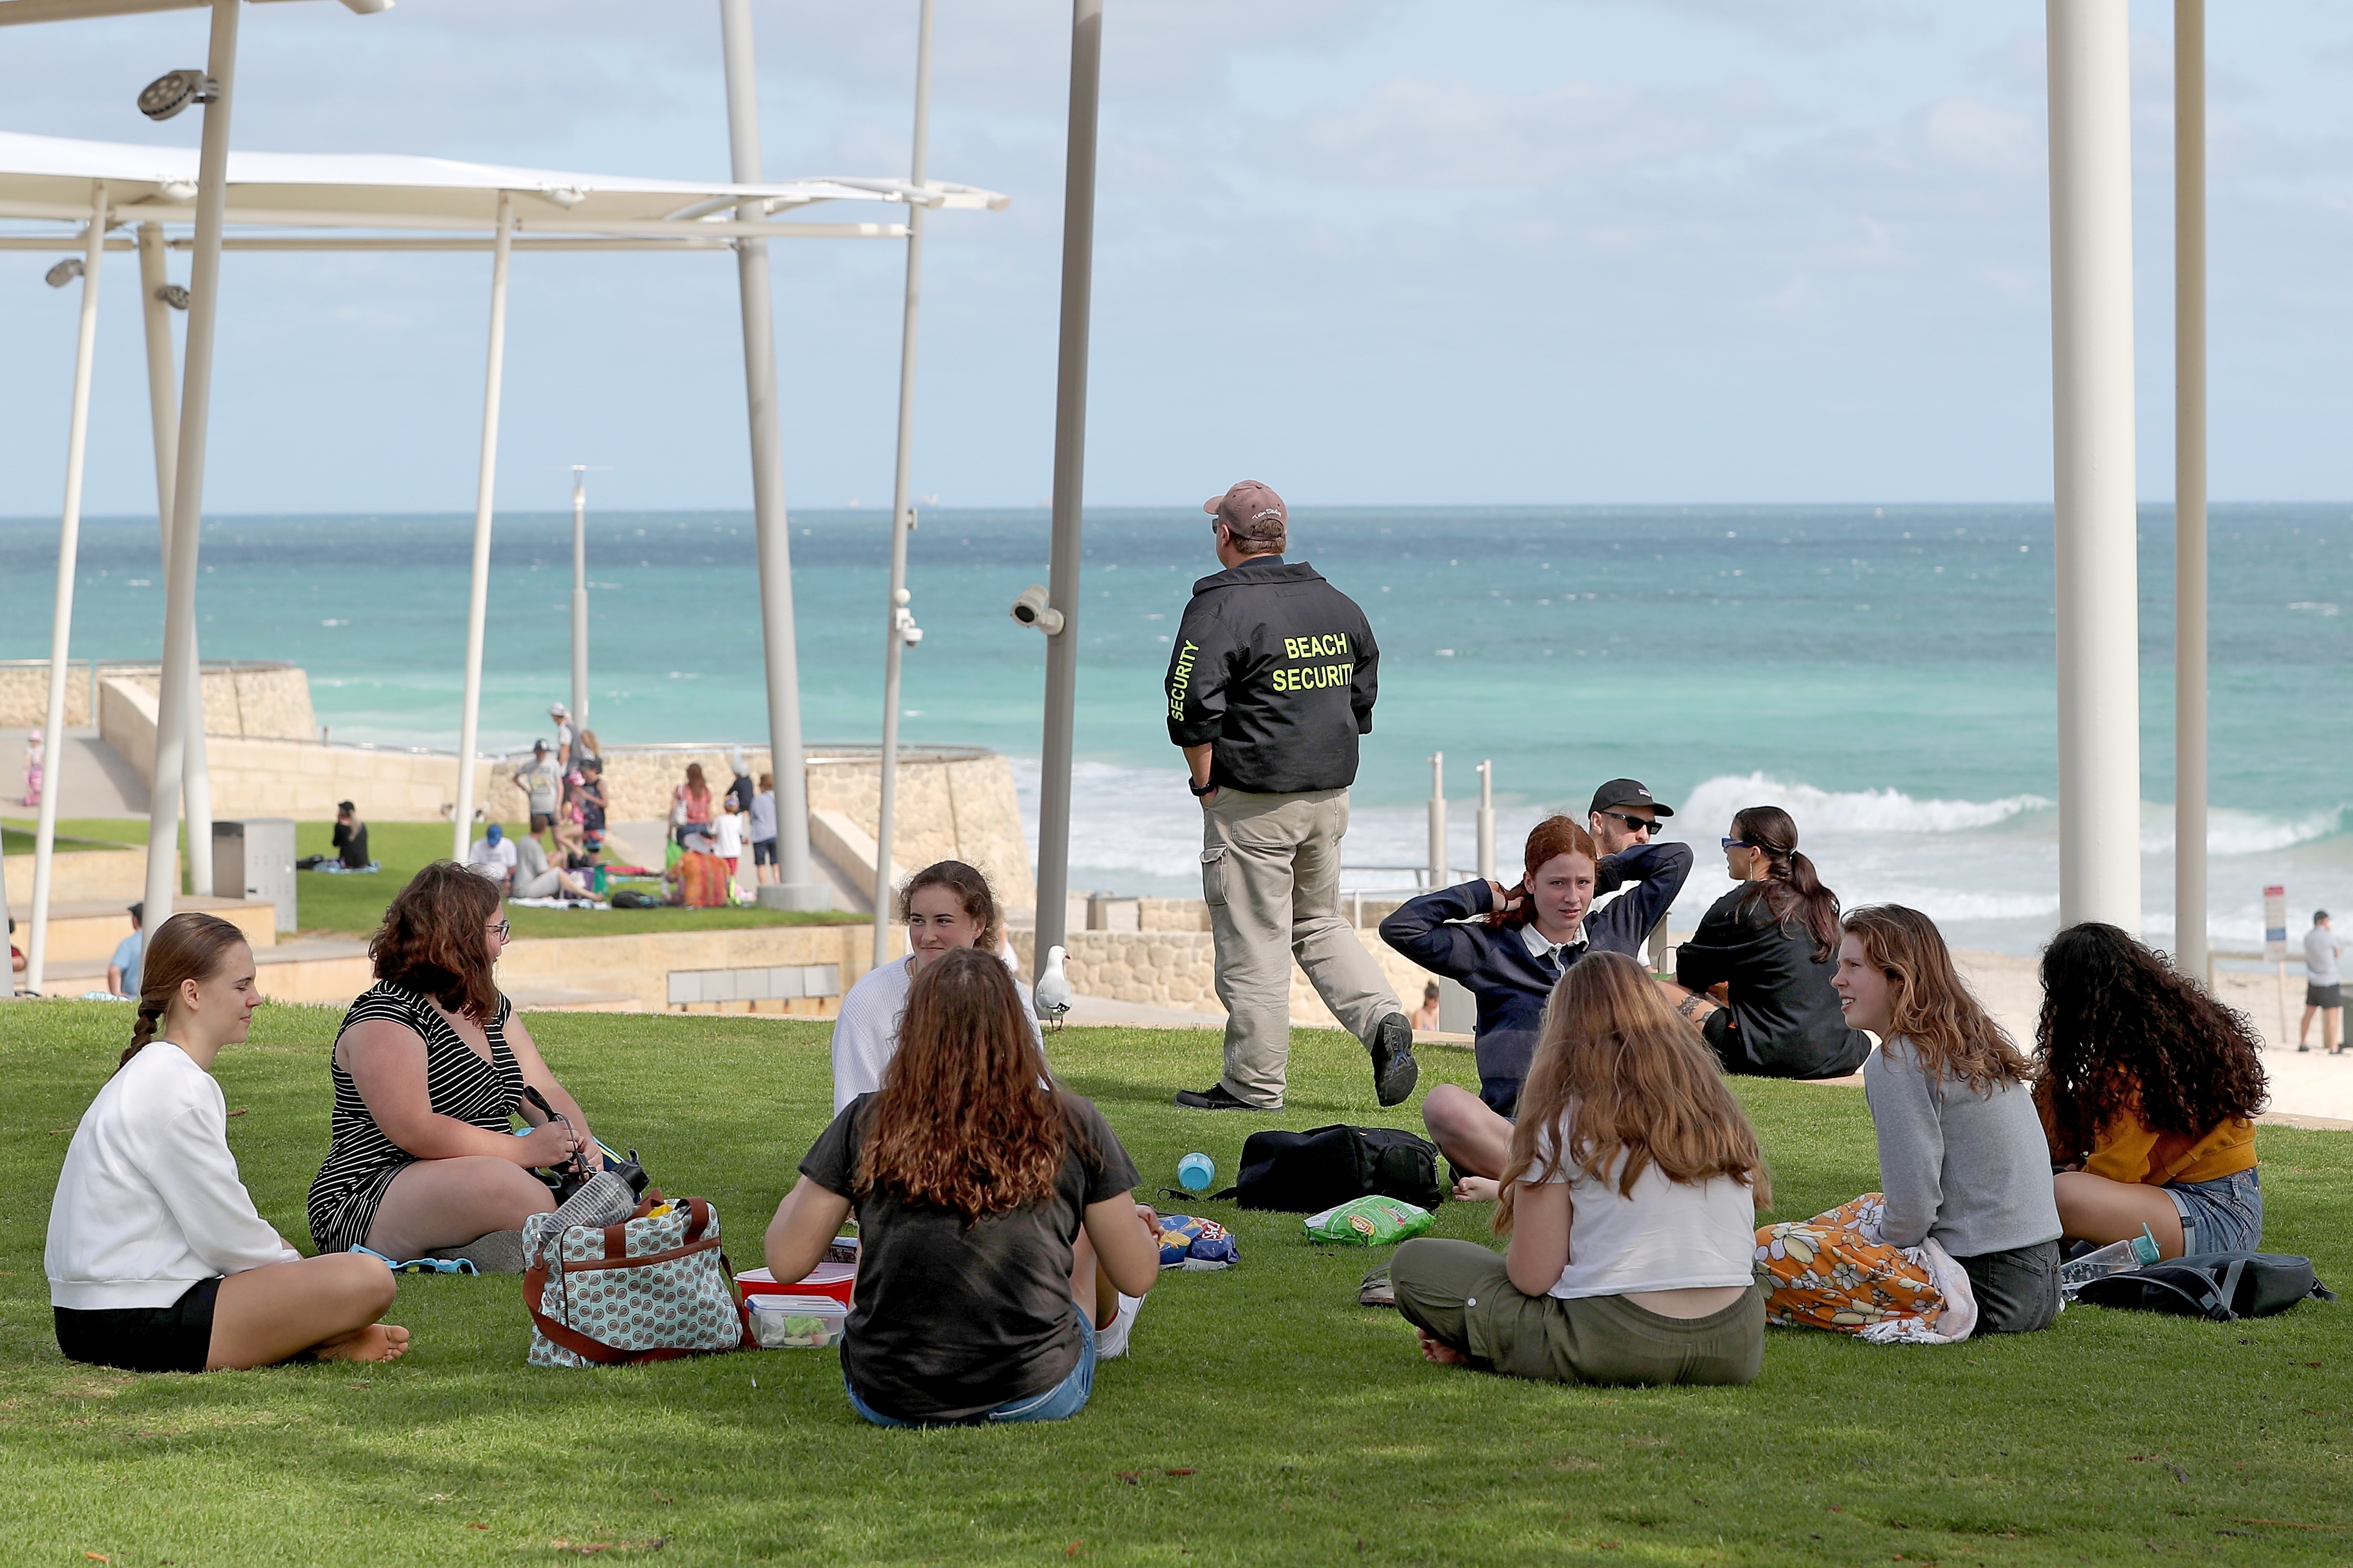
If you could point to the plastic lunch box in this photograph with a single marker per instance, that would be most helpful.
(797, 1323)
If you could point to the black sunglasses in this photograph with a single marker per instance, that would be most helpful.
(1738, 843)
(1639, 823)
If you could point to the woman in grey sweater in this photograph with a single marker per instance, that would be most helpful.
(1962, 1156)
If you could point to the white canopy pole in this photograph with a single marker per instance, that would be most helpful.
(579, 605)
(2189, 951)
(163, 415)
(180, 675)
(45, 833)
(795, 887)
(897, 618)
(1063, 557)
(2092, 428)
(461, 815)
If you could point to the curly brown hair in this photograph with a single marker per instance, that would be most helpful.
(2123, 1033)
(1930, 1005)
(431, 940)
(966, 1118)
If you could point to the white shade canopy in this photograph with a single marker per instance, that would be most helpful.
(50, 177)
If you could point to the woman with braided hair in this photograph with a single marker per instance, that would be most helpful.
(2149, 1089)
(157, 1259)
(1766, 951)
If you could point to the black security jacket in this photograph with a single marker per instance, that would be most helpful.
(1276, 667)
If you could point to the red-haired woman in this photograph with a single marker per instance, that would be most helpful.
(157, 1259)
(429, 1066)
(994, 1217)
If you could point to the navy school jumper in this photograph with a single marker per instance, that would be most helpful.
(1512, 984)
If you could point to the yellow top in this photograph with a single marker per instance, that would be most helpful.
(2126, 1151)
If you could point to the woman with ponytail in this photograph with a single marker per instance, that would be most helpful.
(1766, 951)
(157, 1259)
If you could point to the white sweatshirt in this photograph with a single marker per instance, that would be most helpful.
(149, 1202)
(866, 1034)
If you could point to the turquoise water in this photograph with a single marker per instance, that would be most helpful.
(1884, 673)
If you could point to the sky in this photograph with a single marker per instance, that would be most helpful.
(1384, 252)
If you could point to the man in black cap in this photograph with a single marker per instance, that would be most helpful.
(1271, 682)
(1622, 818)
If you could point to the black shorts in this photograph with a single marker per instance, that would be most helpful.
(177, 1338)
(2323, 995)
(763, 852)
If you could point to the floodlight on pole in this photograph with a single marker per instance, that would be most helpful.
(172, 294)
(173, 91)
(63, 273)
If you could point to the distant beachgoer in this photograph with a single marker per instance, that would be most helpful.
(350, 841)
(1425, 1017)
(739, 789)
(493, 856)
(727, 837)
(570, 835)
(17, 960)
(1509, 947)
(2149, 1089)
(123, 968)
(36, 752)
(764, 830)
(537, 877)
(1631, 1144)
(586, 750)
(566, 744)
(1772, 944)
(542, 787)
(1962, 1162)
(690, 805)
(589, 797)
(157, 1259)
(1271, 682)
(2324, 993)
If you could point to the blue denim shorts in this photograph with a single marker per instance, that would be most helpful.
(2225, 1215)
(1060, 1403)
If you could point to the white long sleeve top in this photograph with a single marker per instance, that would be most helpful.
(150, 1202)
(866, 1032)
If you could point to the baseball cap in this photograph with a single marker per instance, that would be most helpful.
(1250, 511)
(1626, 792)
(558, 711)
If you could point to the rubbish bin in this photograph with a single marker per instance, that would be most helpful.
(255, 860)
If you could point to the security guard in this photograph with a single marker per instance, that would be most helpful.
(1270, 683)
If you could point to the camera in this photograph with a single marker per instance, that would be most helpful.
(1031, 610)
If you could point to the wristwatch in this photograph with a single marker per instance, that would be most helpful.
(1201, 789)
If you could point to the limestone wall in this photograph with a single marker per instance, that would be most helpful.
(264, 700)
(24, 694)
(86, 877)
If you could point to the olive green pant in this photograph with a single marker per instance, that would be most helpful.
(1271, 876)
(1458, 1293)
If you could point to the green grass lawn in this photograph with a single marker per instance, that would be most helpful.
(1262, 1417)
(17, 837)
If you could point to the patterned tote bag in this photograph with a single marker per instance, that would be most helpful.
(654, 1287)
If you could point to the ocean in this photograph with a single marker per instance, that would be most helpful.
(1884, 673)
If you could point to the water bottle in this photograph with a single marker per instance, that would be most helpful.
(1197, 1173)
(2116, 1258)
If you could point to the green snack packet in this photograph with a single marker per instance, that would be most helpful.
(1368, 1222)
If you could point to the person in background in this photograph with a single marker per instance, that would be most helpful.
(739, 789)
(1425, 1017)
(37, 753)
(123, 968)
(995, 1217)
(690, 806)
(1630, 1193)
(2149, 1089)
(1509, 946)
(157, 1259)
(589, 797)
(17, 960)
(1771, 944)
(542, 788)
(586, 751)
(351, 837)
(1271, 683)
(727, 837)
(565, 743)
(1962, 1163)
(1623, 815)
(764, 830)
(493, 856)
(536, 876)
(429, 1066)
(2324, 992)
(571, 836)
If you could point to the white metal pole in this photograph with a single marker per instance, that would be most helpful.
(2191, 954)
(477, 599)
(45, 831)
(2092, 428)
(1064, 556)
(795, 886)
(164, 417)
(579, 604)
(177, 690)
(897, 618)
(1487, 820)
(1438, 819)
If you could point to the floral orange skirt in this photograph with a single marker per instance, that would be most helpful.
(1833, 1272)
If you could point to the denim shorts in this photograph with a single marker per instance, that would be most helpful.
(1060, 1403)
(2225, 1215)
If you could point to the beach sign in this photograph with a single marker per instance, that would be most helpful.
(2275, 924)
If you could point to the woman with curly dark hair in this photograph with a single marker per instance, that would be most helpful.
(2149, 1089)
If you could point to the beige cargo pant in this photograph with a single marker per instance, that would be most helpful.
(1270, 875)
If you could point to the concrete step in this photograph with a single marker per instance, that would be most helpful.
(79, 933)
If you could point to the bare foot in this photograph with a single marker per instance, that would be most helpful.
(1439, 1351)
(377, 1341)
(1477, 1189)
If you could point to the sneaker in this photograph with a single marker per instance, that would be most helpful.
(499, 1252)
(1215, 1098)
(1111, 1339)
(1395, 1072)
(1377, 1290)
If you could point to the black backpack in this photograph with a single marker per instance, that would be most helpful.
(1306, 1172)
(2220, 1286)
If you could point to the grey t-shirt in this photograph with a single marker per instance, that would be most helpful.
(539, 779)
(1972, 1169)
(2320, 950)
(951, 1318)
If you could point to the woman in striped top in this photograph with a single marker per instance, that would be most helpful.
(430, 1064)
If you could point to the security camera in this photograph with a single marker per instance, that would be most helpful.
(174, 90)
(63, 273)
(172, 294)
(903, 621)
(1031, 610)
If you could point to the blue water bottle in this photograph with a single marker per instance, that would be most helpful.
(1197, 1173)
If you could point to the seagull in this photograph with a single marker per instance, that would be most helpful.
(1052, 995)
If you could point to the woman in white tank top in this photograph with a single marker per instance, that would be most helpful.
(1629, 1196)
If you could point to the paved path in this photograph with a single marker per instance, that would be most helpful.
(93, 780)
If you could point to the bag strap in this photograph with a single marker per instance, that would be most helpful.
(534, 1281)
(2208, 1304)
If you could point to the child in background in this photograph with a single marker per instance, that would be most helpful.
(727, 838)
(1425, 1017)
(36, 755)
